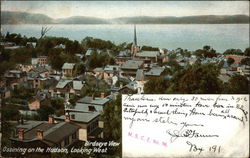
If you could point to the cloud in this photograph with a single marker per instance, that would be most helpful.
(111, 9)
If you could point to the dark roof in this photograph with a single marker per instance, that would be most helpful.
(85, 117)
(53, 133)
(96, 101)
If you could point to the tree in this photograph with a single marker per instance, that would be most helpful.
(44, 31)
(112, 123)
(156, 86)
(10, 112)
(197, 79)
(233, 52)
(237, 84)
(245, 61)
(230, 61)
(45, 111)
(247, 52)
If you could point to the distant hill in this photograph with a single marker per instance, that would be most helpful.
(8, 17)
(24, 18)
(82, 20)
(203, 19)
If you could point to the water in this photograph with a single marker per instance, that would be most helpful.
(188, 36)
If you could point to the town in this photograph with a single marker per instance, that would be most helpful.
(56, 92)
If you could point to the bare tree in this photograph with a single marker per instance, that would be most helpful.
(44, 31)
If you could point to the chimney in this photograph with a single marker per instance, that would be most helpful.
(51, 119)
(39, 134)
(102, 95)
(21, 133)
(93, 97)
(72, 116)
(21, 121)
(67, 118)
(121, 85)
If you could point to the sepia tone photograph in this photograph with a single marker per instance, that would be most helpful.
(91, 79)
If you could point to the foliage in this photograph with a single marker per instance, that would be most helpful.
(23, 93)
(245, 61)
(198, 79)
(101, 60)
(237, 84)
(112, 122)
(156, 86)
(45, 111)
(195, 79)
(149, 48)
(80, 68)
(233, 52)
(90, 42)
(206, 52)
(10, 112)
(247, 52)
(230, 61)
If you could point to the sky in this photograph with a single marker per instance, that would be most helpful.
(114, 9)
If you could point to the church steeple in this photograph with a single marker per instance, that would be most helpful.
(135, 38)
(134, 47)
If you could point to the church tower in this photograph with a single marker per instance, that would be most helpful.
(134, 47)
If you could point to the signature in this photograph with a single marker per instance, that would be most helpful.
(195, 148)
(182, 132)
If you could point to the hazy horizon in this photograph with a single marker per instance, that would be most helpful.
(127, 16)
(117, 9)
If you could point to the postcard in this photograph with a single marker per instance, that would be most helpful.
(98, 79)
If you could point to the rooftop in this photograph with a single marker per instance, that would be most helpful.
(155, 71)
(52, 132)
(96, 100)
(62, 83)
(132, 64)
(148, 54)
(85, 117)
(68, 65)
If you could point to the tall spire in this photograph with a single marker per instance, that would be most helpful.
(135, 39)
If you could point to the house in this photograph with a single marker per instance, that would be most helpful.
(79, 56)
(90, 51)
(98, 72)
(44, 134)
(15, 77)
(23, 67)
(110, 71)
(40, 61)
(68, 88)
(237, 58)
(155, 72)
(60, 46)
(90, 128)
(148, 56)
(136, 86)
(244, 70)
(97, 102)
(42, 98)
(163, 58)
(68, 69)
(31, 44)
(5, 92)
(7, 44)
(130, 67)
(120, 60)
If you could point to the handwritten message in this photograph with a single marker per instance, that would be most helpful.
(185, 125)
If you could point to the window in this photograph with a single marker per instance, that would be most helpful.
(66, 141)
(74, 135)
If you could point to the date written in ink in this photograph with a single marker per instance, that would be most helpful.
(198, 149)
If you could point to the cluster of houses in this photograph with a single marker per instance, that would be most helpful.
(82, 121)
